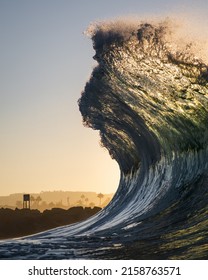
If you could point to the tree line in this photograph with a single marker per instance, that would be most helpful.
(38, 203)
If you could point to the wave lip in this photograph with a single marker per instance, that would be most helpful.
(148, 98)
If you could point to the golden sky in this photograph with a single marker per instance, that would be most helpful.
(45, 63)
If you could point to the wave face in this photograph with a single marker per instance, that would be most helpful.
(149, 100)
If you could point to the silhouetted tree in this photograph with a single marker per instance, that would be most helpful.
(92, 204)
(68, 201)
(86, 201)
(100, 196)
(32, 199)
(38, 200)
(82, 196)
(43, 205)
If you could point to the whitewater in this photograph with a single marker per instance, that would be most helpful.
(148, 97)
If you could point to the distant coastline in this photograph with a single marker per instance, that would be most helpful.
(56, 199)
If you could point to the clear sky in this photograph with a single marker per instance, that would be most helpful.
(45, 61)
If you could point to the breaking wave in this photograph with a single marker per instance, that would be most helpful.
(148, 97)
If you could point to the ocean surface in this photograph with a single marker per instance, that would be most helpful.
(148, 97)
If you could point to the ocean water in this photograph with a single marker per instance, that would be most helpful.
(148, 97)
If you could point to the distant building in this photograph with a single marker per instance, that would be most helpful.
(26, 201)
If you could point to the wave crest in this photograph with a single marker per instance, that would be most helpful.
(146, 97)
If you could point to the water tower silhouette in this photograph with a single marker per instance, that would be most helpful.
(26, 201)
